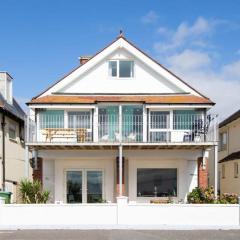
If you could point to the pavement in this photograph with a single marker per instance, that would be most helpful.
(120, 235)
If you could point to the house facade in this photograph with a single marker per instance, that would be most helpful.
(120, 124)
(12, 138)
(229, 154)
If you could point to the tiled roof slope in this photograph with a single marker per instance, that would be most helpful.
(230, 119)
(13, 109)
(232, 156)
(160, 99)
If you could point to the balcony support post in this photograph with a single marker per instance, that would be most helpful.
(216, 171)
(120, 171)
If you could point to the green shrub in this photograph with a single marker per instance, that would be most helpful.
(229, 198)
(200, 195)
(196, 196)
(31, 192)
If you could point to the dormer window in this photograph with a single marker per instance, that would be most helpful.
(121, 68)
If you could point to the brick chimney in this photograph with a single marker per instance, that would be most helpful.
(6, 87)
(84, 59)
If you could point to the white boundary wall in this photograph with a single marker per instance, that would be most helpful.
(120, 215)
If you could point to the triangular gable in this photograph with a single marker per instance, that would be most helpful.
(121, 43)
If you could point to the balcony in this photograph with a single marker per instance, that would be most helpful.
(154, 128)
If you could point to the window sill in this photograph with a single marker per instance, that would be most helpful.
(13, 140)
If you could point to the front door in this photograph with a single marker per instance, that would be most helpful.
(84, 186)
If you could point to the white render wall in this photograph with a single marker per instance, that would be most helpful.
(96, 80)
(121, 215)
(57, 162)
(185, 161)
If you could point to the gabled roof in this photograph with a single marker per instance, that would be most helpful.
(230, 119)
(14, 110)
(121, 41)
(231, 157)
(164, 99)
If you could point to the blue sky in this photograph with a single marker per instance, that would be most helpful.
(42, 40)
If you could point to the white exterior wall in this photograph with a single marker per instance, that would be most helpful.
(74, 160)
(55, 164)
(121, 215)
(96, 80)
(185, 162)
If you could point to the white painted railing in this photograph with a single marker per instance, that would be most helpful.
(185, 128)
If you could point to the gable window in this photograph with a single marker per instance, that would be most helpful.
(121, 68)
(12, 131)
(223, 141)
(113, 68)
(236, 170)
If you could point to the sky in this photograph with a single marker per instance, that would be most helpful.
(40, 41)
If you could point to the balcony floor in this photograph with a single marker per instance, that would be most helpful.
(95, 146)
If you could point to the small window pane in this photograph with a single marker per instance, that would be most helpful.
(51, 119)
(79, 119)
(157, 182)
(12, 131)
(223, 171)
(113, 68)
(236, 170)
(159, 120)
(126, 69)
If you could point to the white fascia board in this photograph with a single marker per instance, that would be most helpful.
(156, 67)
(178, 106)
(88, 65)
(120, 43)
(63, 106)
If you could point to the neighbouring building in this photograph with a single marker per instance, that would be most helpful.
(12, 139)
(229, 154)
(120, 124)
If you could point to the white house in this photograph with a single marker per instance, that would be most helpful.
(120, 124)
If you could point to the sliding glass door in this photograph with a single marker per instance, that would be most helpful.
(84, 186)
(94, 186)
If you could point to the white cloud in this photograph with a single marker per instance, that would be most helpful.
(222, 85)
(186, 33)
(189, 60)
(150, 17)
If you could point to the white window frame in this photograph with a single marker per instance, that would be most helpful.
(223, 146)
(84, 182)
(156, 167)
(118, 68)
(170, 122)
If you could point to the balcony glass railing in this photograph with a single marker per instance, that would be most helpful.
(128, 128)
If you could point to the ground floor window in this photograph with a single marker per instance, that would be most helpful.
(157, 182)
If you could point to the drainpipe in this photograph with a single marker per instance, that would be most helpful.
(3, 124)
